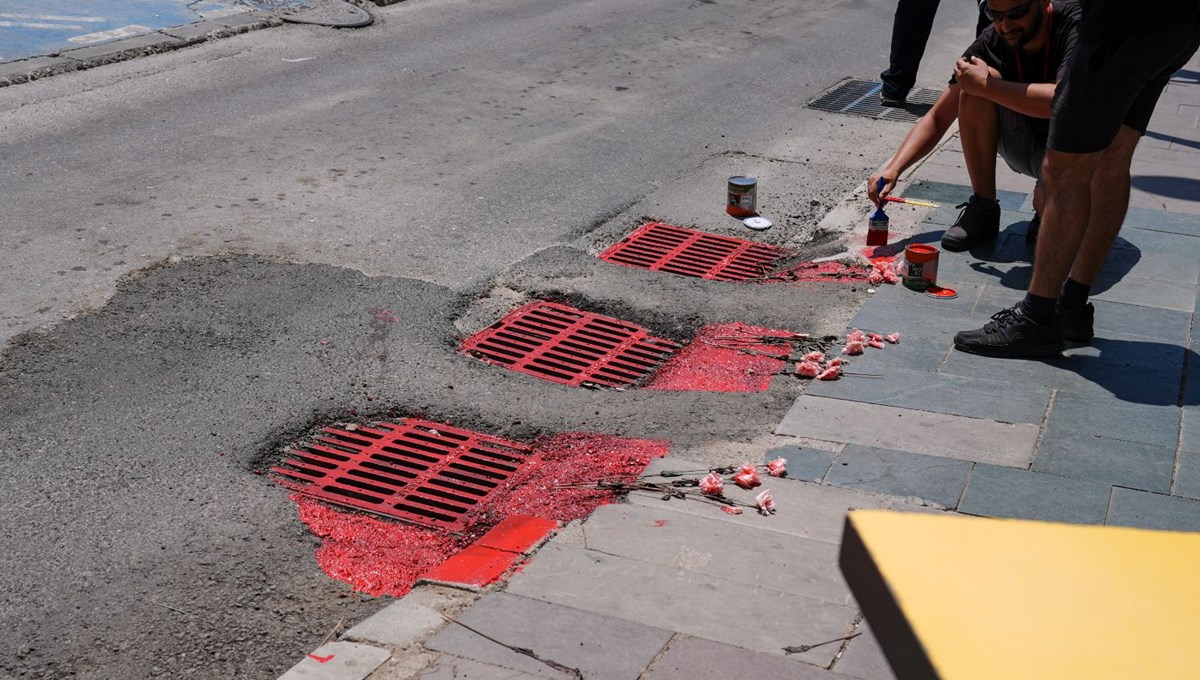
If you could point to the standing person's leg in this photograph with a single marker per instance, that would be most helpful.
(1115, 78)
(910, 33)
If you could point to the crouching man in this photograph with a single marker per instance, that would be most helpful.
(1000, 93)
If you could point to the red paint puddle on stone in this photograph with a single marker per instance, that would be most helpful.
(713, 362)
(826, 272)
(381, 557)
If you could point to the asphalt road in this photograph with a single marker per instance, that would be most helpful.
(182, 233)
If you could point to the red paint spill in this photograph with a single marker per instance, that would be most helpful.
(724, 358)
(660, 522)
(321, 659)
(827, 272)
(381, 557)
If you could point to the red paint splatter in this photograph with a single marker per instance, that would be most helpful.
(660, 522)
(714, 363)
(382, 557)
(321, 659)
(828, 272)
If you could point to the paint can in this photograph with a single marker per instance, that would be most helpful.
(920, 266)
(742, 196)
(877, 224)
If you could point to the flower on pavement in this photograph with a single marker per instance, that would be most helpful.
(764, 502)
(831, 373)
(808, 369)
(815, 356)
(853, 348)
(747, 476)
(777, 467)
(894, 338)
(712, 485)
(731, 510)
(836, 361)
(856, 335)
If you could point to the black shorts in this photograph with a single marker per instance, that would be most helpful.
(1116, 76)
(1021, 145)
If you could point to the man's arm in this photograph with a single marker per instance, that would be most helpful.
(977, 78)
(921, 140)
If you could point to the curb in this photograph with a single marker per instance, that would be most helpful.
(155, 42)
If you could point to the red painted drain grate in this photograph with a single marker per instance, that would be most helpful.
(663, 247)
(418, 471)
(565, 345)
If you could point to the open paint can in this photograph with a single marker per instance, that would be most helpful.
(920, 266)
(742, 197)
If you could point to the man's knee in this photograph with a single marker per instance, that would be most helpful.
(1061, 169)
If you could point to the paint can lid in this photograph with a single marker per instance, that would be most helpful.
(941, 293)
(742, 181)
(758, 223)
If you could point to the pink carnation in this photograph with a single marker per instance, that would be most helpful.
(836, 361)
(712, 484)
(808, 369)
(875, 278)
(731, 510)
(815, 356)
(747, 476)
(777, 467)
(877, 344)
(764, 502)
(890, 276)
(894, 338)
(853, 348)
(875, 336)
(856, 335)
(830, 373)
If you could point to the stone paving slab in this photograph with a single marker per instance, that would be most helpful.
(1166, 267)
(918, 322)
(1136, 290)
(713, 547)
(1133, 352)
(863, 658)
(935, 434)
(806, 510)
(405, 621)
(1083, 375)
(690, 658)
(940, 393)
(1187, 476)
(201, 30)
(338, 661)
(19, 70)
(804, 464)
(1161, 220)
(995, 491)
(931, 479)
(1154, 241)
(450, 667)
(913, 353)
(1132, 508)
(690, 603)
(578, 639)
(1080, 416)
(897, 294)
(1111, 461)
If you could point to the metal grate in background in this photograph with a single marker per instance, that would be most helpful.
(861, 98)
(565, 345)
(687, 252)
(418, 471)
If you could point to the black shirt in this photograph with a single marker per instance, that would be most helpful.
(1046, 65)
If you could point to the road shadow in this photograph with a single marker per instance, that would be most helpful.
(1009, 259)
(1184, 188)
(1136, 371)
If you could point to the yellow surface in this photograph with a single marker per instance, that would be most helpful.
(1010, 599)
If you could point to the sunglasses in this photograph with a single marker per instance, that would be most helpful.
(1014, 14)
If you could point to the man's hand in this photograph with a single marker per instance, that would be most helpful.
(972, 74)
(889, 182)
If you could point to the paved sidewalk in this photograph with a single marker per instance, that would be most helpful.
(1107, 434)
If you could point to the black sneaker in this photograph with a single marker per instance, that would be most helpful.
(1011, 333)
(1031, 231)
(1077, 322)
(979, 221)
(894, 101)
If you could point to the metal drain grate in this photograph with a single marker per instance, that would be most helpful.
(861, 98)
(418, 471)
(565, 345)
(663, 247)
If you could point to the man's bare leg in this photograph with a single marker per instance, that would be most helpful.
(1110, 201)
(1068, 209)
(979, 130)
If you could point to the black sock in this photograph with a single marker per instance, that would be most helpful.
(1073, 293)
(1038, 308)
